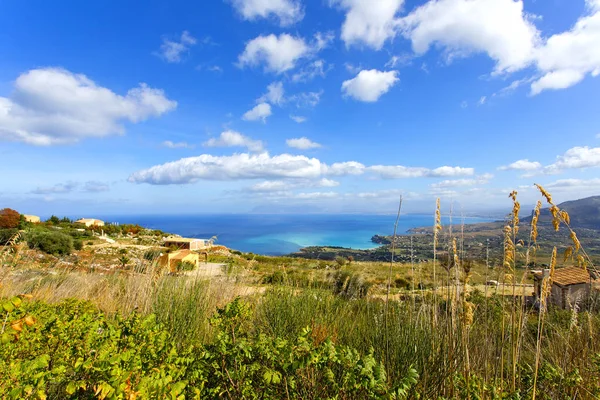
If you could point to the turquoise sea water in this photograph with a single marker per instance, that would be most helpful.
(284, 234)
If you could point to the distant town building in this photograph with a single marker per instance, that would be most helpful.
(570, 286)
(172, 260)
(32, 218)
(90, 222)
(188, 243)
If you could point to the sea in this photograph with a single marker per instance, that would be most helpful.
(280, 234)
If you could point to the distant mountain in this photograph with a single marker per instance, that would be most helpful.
(584, 213)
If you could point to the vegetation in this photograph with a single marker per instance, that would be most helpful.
(56, 243)
(320, 329)
(9, 219)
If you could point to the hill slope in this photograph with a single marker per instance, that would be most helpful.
(584, 213)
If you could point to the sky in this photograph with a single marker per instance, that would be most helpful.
(327, 106)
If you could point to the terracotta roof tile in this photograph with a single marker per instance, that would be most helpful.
(569, 276)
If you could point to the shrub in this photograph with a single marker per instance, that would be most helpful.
(6, 235)
(9, 218)
(340, 261)
(349, 285)
(56, 243)
(185, 266)
(152, 254)
(78, 245)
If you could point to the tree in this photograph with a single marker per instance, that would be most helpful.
(9, 218)
(54, 220)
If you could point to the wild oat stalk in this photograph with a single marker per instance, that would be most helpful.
(545, 292)
(437, 228)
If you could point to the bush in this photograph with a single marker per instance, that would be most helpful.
(72, 351)
(185, 266)
(6, 235)
(152, 254)
(78, 245)
(9, 218)
(55, 243)
(349, 285)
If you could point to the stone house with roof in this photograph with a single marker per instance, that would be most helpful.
(570, 286)
(173, 259)
(187, 243)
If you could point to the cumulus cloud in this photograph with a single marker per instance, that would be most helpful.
(499, 28)
(400, 171)
(237, 166)
(370, 85)
(577, 157)
(298, 118)
(235, 139)
(522, 165)
(280, 167)
(172, 50)
(369, 23)
(302, 143)
(259, 112)
(51, 106)
(176, 145)
(346, 168)
(567, 57)
(275, 94)
(277, 53)
(287, 12)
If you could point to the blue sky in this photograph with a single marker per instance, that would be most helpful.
(296, 105)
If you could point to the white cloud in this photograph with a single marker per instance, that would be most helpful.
(400, 171)
(598, 134)
(316, 195)
(346, 168)
(277, 53)
(451, 183)
(307, 99)
(172, 50)
(275, 94)
(237, 166)
(298, 119)
(287, 185)
(235, 139)
(288, 12)
(566, 58)
(53, 106)
(370, 85)
(522, 165)
(311, 71)
(176, 145)
(577, 157)
(280, 167)
(573, 183)
(370, 23)
(401, 60)
(69, 187)
(499, 28)
(259, 112)
(302, 143)
(95, 187)
(482, 100)
(561, 79)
